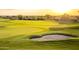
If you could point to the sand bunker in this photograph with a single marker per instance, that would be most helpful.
(52, 37)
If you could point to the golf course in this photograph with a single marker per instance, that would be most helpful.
(16, 34)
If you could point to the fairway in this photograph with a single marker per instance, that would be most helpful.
(16, 27)
(14, 34)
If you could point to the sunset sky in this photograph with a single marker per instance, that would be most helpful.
(58, 5)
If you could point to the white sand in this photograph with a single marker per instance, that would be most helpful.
(52, 38)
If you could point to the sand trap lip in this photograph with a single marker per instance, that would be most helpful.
(52, 37)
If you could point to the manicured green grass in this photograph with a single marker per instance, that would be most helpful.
(20, 42)
(15, 35)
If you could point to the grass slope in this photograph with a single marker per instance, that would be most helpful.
(15, 35)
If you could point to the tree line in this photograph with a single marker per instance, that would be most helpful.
(62, 18)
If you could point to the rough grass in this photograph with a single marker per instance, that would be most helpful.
(15, 35)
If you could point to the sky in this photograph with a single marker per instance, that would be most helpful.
(60, 5)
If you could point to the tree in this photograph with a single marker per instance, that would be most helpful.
(48, 17)
(20, 17)
(65, 17)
